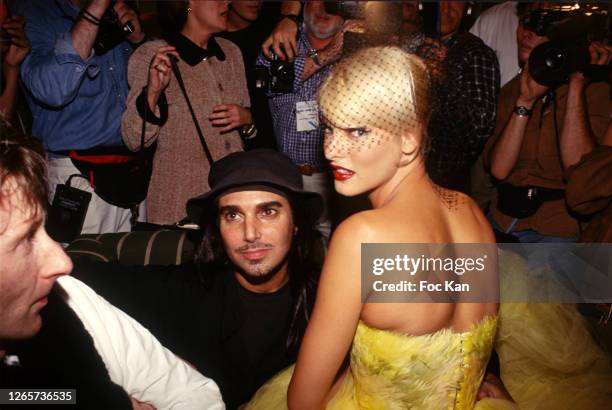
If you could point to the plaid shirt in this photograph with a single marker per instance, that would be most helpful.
(463, 107)
(303, 147)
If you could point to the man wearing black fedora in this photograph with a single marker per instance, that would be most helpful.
(238, 313)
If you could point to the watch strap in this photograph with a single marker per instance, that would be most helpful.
(522, 111)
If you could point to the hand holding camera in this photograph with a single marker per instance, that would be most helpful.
(601, 56)
(283, 41)
(128, 21)
(572, 47)
(531, 90)
(118, 22)
(278, 78)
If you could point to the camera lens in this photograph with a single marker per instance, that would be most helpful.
(128, 28)
(554, 59)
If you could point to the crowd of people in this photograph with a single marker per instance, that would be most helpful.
(291, 134)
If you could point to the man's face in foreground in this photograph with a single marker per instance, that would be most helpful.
(257, 231)
(30, 262)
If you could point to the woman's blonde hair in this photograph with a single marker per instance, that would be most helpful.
(384, 87)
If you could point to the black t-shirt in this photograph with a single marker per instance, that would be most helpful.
(265, 324)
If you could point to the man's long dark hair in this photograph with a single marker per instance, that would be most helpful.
(304, 266)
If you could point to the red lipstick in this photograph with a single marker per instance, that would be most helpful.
(342, 174)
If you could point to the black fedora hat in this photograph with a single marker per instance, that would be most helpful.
(258, 169)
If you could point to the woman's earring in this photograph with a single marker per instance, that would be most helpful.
(188, 10)
(469, 11)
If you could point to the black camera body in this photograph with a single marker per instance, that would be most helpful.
(567, 52)
(111, 32)
(278, 78)
(347, 9)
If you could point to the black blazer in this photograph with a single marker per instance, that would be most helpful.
(62, 355)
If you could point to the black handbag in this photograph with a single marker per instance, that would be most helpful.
(117, 175)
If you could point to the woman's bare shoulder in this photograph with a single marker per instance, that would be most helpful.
(359, 227)
(381, 226)
(465, 220)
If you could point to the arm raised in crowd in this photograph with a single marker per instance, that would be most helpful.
(149, 73)
(84, 31)
(56, 67)
(589, 181)
(17, 51)
(505, 152)
(577, 137)
(283, 40)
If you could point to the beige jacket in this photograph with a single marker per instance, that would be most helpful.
(180, 168)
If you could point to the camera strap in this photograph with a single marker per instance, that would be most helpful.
(179, 79)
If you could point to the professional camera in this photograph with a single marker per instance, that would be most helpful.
(347, 9)
(276, 79)
(567, 52)
(111, 31)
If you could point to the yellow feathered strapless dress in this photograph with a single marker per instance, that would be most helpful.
(389, 370)
(548, 360)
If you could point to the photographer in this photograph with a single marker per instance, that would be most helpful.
(540, 132)
(299, 135)
(76, 88)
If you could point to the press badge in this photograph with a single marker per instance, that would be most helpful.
(307, 115)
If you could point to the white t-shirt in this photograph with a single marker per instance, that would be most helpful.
(497, 27)
(135, 360)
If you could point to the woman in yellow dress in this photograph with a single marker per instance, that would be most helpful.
(401, 355)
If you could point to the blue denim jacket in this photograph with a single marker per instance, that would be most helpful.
(75, 103)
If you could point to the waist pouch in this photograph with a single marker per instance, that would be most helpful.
(119, 176)
(524, 201)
